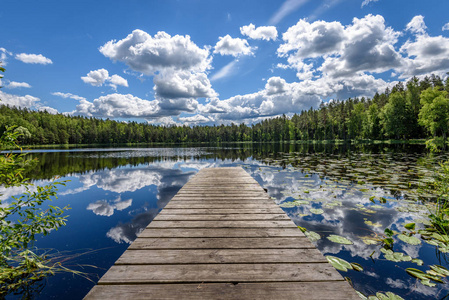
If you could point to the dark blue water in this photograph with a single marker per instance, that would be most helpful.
(114, 195)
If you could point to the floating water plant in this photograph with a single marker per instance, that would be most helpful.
(380, 296)
(339, 239)
(424, 277)
(409, 239)
(395, 256)
(313, 236)
(316, 211)
(338, 263)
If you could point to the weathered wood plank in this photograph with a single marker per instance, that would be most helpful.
(232, 199)
(221, 232)
(222, 243)
(261, 202)
(204, 211)
(222, 217)
(278, 290)
(220, 256)
(222, 228)
(222, 224)
(220, 273)
(221, 205)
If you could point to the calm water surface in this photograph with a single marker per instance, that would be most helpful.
(349, 191)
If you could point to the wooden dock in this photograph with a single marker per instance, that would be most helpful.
(222, 237)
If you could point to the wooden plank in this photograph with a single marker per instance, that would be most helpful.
(232, 199)
(222, 243)
(203, 211)
(222, 224)
(220, 256)
(139, 274)
(213, 193)
(181, 205)
(336, 290)
(221, 232)
(261, 202)
(221, 217)
(222, 228)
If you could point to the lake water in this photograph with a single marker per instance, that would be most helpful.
(349, 191)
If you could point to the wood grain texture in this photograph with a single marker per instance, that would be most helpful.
(220, 217)
(209, 211)
(222, 237)
(221, 243)
(336, 290)
(139, 274)
(221, 224)
(221, 232)
(220, 256)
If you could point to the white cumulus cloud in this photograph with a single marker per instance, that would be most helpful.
(148, 55)
(27, 101)
(33, 59)
(232, 46)
(101, 76)
(417, 25)
(118, 105)
(183, 84)
(260, 33)
(196, 119)
(15, 85)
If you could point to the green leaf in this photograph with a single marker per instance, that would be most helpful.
(357, 267)
(416, 273)
(409, 239)
(388, 232)
(313, 236)
(316, 211)
(442, 271)
(392, 296)
(338, 263)
(339, 239)
(410, 226)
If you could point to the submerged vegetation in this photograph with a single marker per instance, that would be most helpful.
(417, 110)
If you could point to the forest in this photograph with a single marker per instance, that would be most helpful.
(417, 109)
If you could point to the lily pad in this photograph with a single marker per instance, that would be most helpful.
(409, 239)
(316, 211)
(370, 240)
(395, 256)
(339, 239)
(440, 270)
(370, 223)
(423, 276)
(338, 263)
(357, 267)
(410, 226)
(313, 236)
(294, 203)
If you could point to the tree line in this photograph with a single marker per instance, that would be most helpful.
(416, 109)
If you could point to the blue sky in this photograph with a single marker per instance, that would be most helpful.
(213, 62)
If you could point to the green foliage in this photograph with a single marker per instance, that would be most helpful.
(439, 215)
(386, 115)
(22, 219)
(395, 116)
(434, 114)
